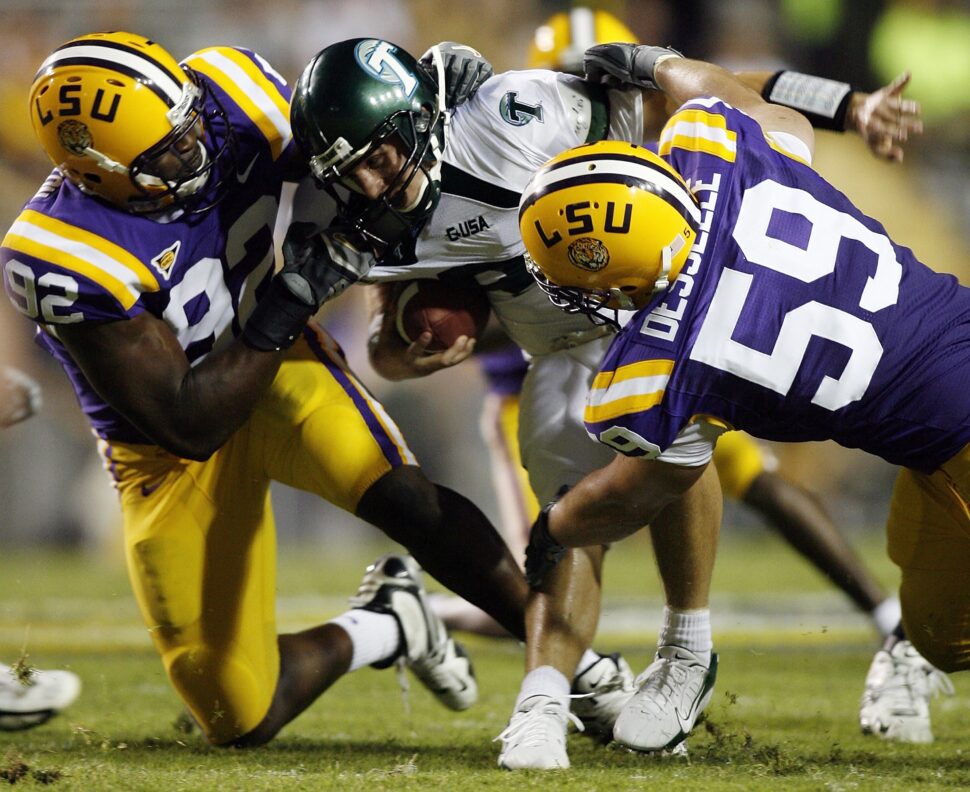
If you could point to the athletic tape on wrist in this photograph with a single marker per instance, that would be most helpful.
(824, 102)
(277, 320)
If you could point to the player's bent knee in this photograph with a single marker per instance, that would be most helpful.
(227, 696)
(403, 503)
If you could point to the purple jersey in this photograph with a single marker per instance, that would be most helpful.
(795, 316)
(504, 369)
(72, 258)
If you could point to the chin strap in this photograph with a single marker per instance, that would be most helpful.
(439, 69)
(666, 261)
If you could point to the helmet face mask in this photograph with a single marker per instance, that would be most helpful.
(383, 221)
(126, 123)
(607, 226)
(353, 97)
(599, 306)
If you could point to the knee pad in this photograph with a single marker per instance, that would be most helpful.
(227, 696)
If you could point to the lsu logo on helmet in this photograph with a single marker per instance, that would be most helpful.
(588, 254)
(607, 224)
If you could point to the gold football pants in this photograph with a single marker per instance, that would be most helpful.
(739, 460)
(200, 537)
(929, 539)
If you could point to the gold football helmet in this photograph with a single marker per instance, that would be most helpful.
(124, 121)
(606, 226)
(560, 42)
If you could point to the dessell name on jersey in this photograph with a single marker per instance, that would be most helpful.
(664, 320)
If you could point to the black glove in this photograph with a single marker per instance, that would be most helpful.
(625, 64)
(310, 276)
(543, 552)
(465, 70)
(310, 270)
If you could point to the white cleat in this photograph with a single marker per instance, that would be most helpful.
(393, 584)
(896, 700)
(599, 694)
(24, 705)
(672, 693)
(535, 738)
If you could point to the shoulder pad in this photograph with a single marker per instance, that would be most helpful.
(587, 105)
(58, 272)
(253, 86)
(701, 125)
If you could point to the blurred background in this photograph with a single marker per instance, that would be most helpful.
(52, 489)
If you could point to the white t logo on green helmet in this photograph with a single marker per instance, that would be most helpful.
(378, 59)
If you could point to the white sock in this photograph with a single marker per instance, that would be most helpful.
(689, 629)
(375, 636)
(886, 615)
(544, 681)
(589, 657)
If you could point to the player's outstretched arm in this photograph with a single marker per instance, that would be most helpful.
(884, 119)
(682, 79)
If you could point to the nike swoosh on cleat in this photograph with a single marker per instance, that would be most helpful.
(244, 174)
(683, 722)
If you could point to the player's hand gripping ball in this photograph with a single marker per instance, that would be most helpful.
(446, 311)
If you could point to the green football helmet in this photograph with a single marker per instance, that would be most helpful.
(349, 99)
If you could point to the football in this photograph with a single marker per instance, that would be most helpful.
(445, 310)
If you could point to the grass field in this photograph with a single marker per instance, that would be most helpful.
(793, 657)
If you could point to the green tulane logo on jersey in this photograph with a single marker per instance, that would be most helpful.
(519, 113)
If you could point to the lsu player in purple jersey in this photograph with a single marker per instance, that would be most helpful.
(747, 469)
(451, 213)
(766, 302)
(146, 261)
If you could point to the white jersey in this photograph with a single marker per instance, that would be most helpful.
(497, 140)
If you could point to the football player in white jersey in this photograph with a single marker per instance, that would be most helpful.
(146, 261)
(446, 208)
